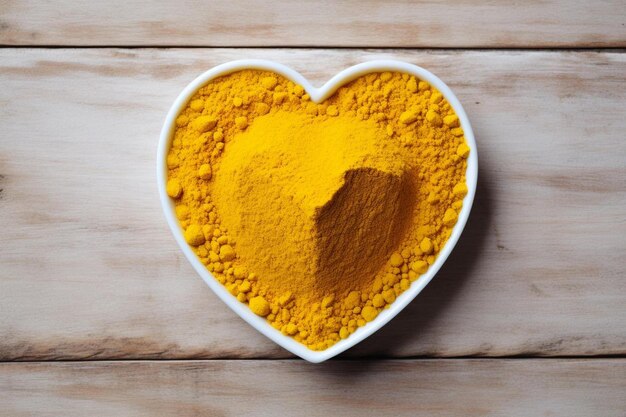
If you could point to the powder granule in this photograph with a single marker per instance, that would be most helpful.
(317, 215)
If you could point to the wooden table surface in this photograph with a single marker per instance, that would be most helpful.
(101, 315)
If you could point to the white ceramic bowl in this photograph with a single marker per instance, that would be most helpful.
(317, 95)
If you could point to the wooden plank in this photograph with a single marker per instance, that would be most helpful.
(471, 23)
(88, 268)
(353, 388)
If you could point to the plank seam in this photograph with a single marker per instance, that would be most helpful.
(617, 49)
(356, 359)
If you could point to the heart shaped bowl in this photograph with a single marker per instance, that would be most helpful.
(317, 95)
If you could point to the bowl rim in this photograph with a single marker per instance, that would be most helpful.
(317, 95)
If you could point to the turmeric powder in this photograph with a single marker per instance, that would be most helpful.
(317, 215)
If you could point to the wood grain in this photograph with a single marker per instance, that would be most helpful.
(396, 23)
(88, 268)
(351, 388)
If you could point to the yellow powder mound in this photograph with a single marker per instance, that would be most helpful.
(338, 189)
(317, 215)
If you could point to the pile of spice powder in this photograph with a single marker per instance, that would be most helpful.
(317, 215)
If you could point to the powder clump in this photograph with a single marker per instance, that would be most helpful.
(316, 206)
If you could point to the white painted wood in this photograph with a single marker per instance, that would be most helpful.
(88, 268)
(487, 387)
(549, 23)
